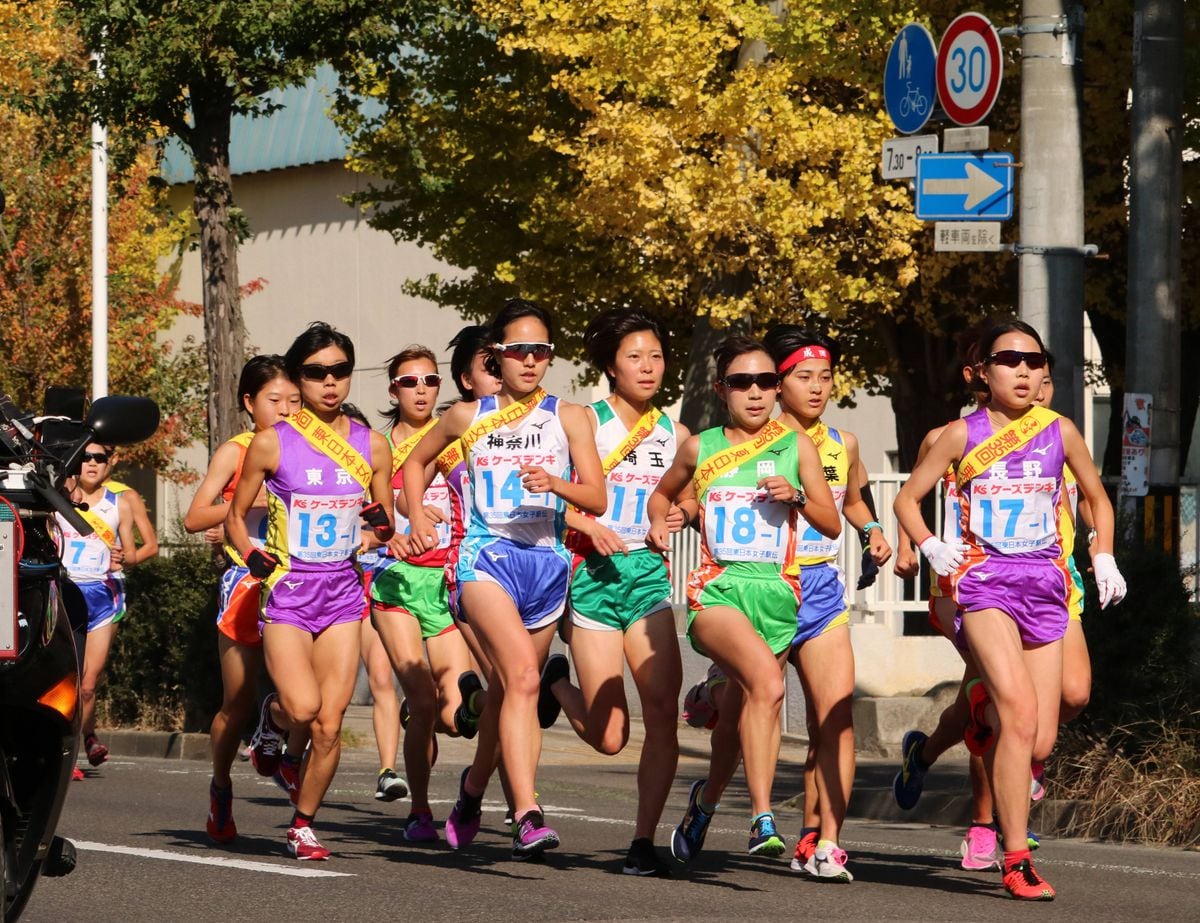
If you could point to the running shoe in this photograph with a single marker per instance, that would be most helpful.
(910, 780)
(828, 863)
(466, 718)
(419, 828)
(266, 746)
(532, 836)
(302, 843)
(97, 753)
(220, 825)
(978, 735)
(287, 777)
(804, 848)
(979, 848)
(688, 838)
(557, 667)
(643, 860)
(1023, 883)
(389, 786)
(1032, 840)
(764, 838)
(465, 816)
(77, 775)
(1037, 789)
(698, 708)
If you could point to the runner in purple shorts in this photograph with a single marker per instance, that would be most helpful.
(520, 446)
(1009, 576)
(316, 464)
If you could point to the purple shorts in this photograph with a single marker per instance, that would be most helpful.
(313, 600)
(1034, 592)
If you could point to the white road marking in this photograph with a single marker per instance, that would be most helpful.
(296, 871)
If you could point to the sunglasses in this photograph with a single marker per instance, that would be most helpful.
(744, 381)
(315, 372)
(100, 458)
(1011, 358)
(539, 351)
(429, 380)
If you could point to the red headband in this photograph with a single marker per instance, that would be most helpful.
(806, 352)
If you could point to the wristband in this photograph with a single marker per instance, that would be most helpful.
(871, 525)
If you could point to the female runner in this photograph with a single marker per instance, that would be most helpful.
(1009, 578)
(821, 651)
(409, 606)
(316, 464)
(751, 478)
(621, 590)
(267, 395)
(512, 572)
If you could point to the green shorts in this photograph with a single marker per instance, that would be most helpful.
(611, 593)
(419, 591)
(769, 600)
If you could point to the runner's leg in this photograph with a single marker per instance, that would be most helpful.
(240, 664)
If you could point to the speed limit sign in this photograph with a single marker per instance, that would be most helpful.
(969, 68)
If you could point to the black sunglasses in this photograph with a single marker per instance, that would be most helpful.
(1011, 358)
(744, 381)
(315, 372)
(539, 351)
(429, 380)
(100, 458)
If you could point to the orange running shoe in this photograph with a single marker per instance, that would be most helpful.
(979, 735)
(220, 825)
(805, 847)
(1023, 883)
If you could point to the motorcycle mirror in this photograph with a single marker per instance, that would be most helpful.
(120, 420)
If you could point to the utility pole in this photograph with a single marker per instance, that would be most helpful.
(1152, 353)
(1051, 181)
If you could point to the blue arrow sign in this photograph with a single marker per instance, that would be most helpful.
(964, 187)
(909, 80)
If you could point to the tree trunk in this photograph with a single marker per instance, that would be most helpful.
(224, 332)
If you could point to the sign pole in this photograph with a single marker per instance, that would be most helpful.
(1051, 210)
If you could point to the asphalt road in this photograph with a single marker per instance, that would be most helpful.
(143, 856)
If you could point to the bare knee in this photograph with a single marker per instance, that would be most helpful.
(1075, 698)
(301, 711)
(767, 691)
(326, 730)
(613, 739)
(523, 682)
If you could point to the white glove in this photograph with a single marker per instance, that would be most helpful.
(1109, 581)
(943, 556)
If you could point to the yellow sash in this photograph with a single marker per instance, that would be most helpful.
(1004, 443)
(401, 451)
(102, 529)
(241, 439)
(514, 412)
(322, 438)
(641, 429)
(118, 488)
(451, 457)
(735, 456)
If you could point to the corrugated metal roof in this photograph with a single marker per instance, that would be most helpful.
(300, 132)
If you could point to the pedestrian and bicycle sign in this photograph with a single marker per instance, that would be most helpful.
(964, 187)
(968, 69)
(908, 81)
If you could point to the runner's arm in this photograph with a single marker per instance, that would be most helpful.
(128, 552)
(588, 491)
(908, 564)
(1090, 487)
(686, 509)
(856, 510)
(450, 426)
(141, 521)
(262, 458)
(381, 482)
(946, 451)
(819, 508)
(676, 480)
(207, 509)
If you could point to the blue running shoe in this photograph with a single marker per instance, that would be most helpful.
(764, 838)
(688, 838)
(1032, 840)
(910, 780)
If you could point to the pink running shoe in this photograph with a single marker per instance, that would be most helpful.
(1037, 786)
(465, 817)
(979, 850)
(302, 843)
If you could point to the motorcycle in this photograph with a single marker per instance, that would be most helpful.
(43, 623)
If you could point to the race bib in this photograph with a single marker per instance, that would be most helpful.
(811, 543)
(743, 524)
(1014, 517)
(437, 495)
(323, 529)
(628, 494)
(500, 496)
(86, 560)
(256, 525)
